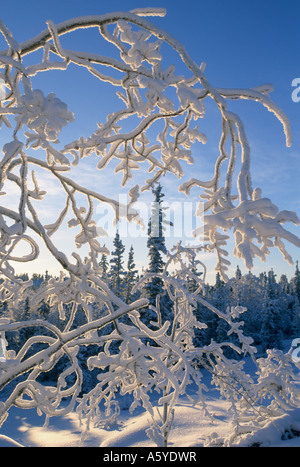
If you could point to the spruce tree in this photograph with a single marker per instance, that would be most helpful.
(296, 282)
(156, 246)
(104, 267)
(131, 275)
(284, 284)
(116, 273)
(156, 249)
(219, 283)
(238, 273)
(295, 324)
(271, 331)
(192, 283)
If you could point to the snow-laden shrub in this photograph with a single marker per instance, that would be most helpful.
(273, 412)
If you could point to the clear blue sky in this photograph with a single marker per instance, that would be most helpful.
(244, 44)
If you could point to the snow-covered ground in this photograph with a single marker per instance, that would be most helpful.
(191, 428)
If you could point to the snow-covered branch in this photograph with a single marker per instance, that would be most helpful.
(142, 90)
(153, 98)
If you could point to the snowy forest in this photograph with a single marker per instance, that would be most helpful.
(272, 303)
(101, 337)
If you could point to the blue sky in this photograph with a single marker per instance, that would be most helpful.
(244, 44)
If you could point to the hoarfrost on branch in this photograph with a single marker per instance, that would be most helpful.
(150, 92)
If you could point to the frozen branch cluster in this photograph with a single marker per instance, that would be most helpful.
(152, 95)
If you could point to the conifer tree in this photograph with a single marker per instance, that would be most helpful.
(156, 245)
(284, 284)
(104, 266)
(238, 273)
(271, 333)
(156, 249)
(296, 281)
(219, 283)
(295, 325)
(116, 273)
(192, 283)
(131, 275)
(24, 314)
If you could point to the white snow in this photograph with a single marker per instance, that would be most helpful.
(191, 428)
